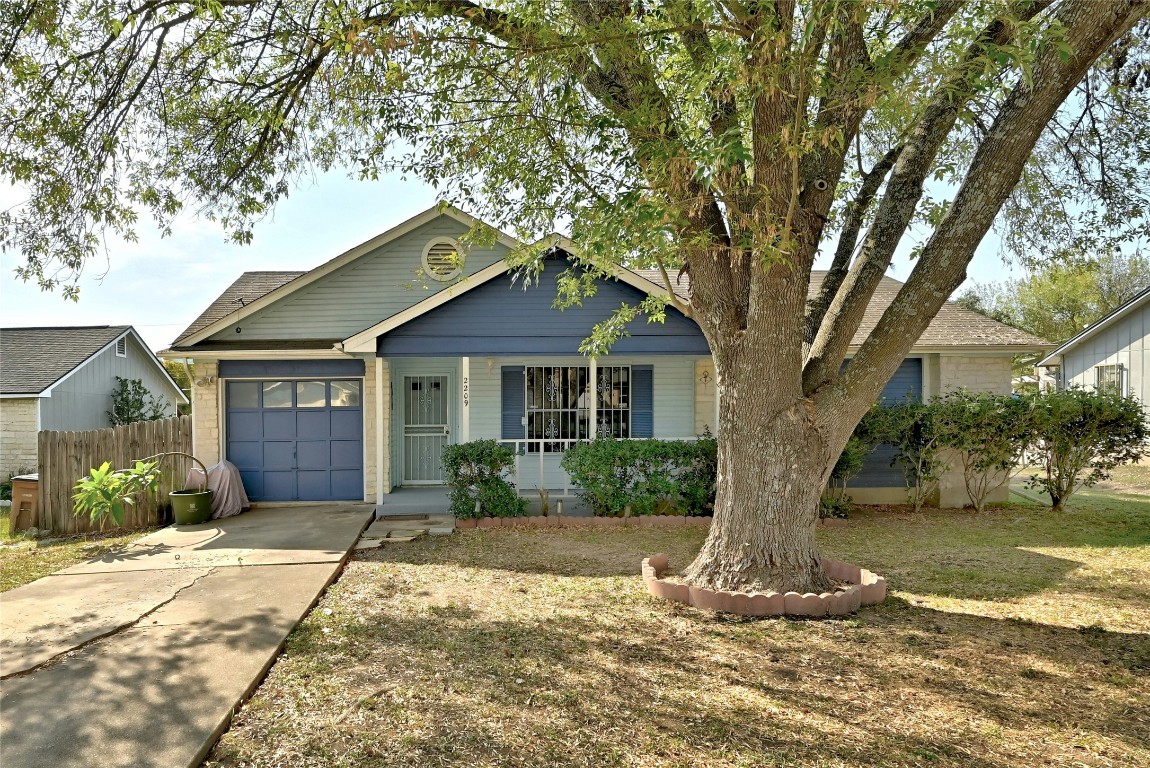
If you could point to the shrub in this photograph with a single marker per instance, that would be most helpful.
(653, 476)
(910, 428)
(989, 433)
(1080, 435)
(132, 402)
(476, 473)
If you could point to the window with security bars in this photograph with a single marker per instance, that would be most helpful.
(1108, 378)
(563, 405)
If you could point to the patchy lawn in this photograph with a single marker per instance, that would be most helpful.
(1132, 478)
(1013, 638)
(22, 561)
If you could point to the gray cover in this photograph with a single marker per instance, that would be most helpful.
(223, 478)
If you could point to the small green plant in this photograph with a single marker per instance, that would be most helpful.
(106, 493)
(835, 506)
(1081, 435)
(132, 402)
(476, 473)
(910, 428)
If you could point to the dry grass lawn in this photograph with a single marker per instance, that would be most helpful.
(1012, 638)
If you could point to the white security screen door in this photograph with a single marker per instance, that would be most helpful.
(425, 428)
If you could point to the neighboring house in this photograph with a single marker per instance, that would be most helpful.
(347, 381)
(62, 378)
(1113, 353)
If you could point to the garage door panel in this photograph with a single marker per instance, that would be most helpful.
(314, 484)
(346, 483)
(278, 486)
(313, 454)
(279, 455)
(279, 425)
(347, 453)
(347, 424)
(247, 424)
(313, 424)
(253, 481)
(245, 453)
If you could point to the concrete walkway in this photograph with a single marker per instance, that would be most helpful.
(141, 657)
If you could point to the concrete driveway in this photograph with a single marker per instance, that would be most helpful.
(139, 658)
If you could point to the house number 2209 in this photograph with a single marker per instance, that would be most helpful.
(466, 392)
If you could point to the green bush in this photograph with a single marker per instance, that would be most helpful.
(1081, 435)
(476, 473)
(653, 476)
(909, 427)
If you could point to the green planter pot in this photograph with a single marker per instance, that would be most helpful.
(191, 506)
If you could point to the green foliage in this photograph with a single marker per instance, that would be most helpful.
(909, 427)
(1081, 435)
(652, 476)
(835, 506)
(988, 432)
(476, 473)
(132, 402)
(105, 492)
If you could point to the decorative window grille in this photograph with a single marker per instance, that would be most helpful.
(122, 346)
(1108, 378)
(563, 406)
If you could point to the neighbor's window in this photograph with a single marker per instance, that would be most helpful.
(564, 406)
(1108, 378)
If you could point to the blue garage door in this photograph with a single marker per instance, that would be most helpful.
(877, 471)
(297, 439)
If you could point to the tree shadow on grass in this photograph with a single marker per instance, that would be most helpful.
(617, 678)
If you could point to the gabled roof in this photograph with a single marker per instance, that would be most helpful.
(1140, 299)
(33, 360)
(208, 323)
(953, 326)
(247, 288)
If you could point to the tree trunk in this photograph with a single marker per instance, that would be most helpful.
(773, 466)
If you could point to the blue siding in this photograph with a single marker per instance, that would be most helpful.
(877, 471)
(642, 401)
(275, 369)
(512, 397)
(499, 318)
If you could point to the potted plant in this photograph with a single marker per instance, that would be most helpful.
(105, 492)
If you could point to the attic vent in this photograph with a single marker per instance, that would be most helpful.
(122, 346)
(443, 260)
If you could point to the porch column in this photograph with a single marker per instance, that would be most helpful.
(382, 429)
(465, 394)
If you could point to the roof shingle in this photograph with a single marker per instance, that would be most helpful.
(247, 288)
(33, 359)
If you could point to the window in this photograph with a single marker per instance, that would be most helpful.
(443, 259)
(122, 346)
(562, 406)
(345, 394)
(310, 394)
(1108, 378)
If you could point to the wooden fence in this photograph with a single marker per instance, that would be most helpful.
(65, 457)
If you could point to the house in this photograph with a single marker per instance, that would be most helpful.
(1113, 353)
(62, 378)
(346, 381)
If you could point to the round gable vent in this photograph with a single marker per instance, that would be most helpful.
(443, 259)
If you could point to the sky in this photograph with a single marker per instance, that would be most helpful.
(160, 285)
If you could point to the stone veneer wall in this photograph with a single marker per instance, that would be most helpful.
(206, 412)
(19, 424)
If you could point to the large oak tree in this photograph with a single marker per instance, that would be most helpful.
(723, 140)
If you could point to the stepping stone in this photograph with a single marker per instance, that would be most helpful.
(442, 530)
(368, 544)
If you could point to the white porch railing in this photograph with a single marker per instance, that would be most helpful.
(527, 449)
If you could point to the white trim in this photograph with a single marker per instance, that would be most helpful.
(364, 341)
(255, 354)
(464, 428)
(1086, 333)
(380, 422)
(342, 260)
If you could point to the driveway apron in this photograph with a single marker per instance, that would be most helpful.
(141, 657)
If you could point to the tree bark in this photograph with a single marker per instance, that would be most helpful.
(773, 465)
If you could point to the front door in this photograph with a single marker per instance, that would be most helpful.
(425, 428)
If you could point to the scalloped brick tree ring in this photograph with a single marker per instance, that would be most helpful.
(865, 588)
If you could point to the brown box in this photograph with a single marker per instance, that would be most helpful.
(25, 502)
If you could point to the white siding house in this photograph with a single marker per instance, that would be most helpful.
(1113, 352)
(345, 382)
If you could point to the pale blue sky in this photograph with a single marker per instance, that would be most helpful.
(160, 285)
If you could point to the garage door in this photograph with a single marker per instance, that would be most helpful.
(877, 471)
(297, 439)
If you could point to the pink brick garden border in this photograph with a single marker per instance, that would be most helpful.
(866, 589)
(566, 521)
